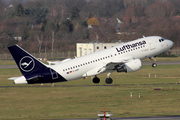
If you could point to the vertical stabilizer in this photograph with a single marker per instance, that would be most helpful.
(32, 69)
(25, 61)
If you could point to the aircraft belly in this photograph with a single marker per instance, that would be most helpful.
(72, 75)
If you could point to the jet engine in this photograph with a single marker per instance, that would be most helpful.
(130, 66)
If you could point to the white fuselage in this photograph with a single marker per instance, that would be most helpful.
(138, 49)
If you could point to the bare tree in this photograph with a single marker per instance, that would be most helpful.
(96, 35)
(160, 10)
(40, 39)
(53, 27)
(63, 10)
(107, 31)
(142, 3)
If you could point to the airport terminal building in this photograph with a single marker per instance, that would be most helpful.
(87, 48)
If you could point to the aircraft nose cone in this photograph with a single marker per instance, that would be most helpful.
(169, 44)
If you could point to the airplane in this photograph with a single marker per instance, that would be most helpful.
(125, 57)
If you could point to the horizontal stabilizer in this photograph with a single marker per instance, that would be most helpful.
(13, 78)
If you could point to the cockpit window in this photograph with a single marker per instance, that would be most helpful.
(161, 40)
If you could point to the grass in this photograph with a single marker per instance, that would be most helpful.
(82, 100)
(86, 102)
(9, 62)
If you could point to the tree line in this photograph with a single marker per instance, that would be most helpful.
(57, 25)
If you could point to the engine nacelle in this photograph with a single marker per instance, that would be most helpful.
(130, 66)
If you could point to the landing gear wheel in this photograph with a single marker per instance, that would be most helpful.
(154, 65)
(109, 80)
(96, 80)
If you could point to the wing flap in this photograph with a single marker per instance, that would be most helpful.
(112, 65)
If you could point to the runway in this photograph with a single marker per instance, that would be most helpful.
(135, 118)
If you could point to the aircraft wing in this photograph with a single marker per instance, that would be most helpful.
(112, 65)
(58, 62)
(53, 62)
(109, 66)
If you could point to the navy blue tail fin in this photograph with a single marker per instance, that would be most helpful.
(25, 61)
(32, 69)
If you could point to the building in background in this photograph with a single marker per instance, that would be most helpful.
(88, 48)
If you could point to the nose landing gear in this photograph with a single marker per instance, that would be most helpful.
(154, 65)
(152, 61)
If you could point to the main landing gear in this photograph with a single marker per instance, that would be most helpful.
(96, 79)
(108, 79)
(152, 61)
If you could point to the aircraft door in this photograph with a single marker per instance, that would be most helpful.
(54, 74)
(151, 44)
